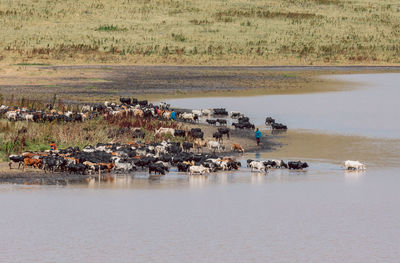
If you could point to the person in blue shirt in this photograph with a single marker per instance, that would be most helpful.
(258, 136)
(172, 115)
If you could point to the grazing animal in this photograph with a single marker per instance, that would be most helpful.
(187, 117)
(269, 121)
(224, 130)
(198, 170)
(199, 144)
(278, 126)
(215, 146)
(237, 147)
(161, 131)
(222, 122)
(212, 122)
(217, 136)
(280, 164)
(125, 100)
(32, 162)
(16, 159)
(187, 146)
(297, 165)
(354, 165)
(179, 133)
(259, 166)
(236, 114)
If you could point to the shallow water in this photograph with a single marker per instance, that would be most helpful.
(371, 109)
(323, 214)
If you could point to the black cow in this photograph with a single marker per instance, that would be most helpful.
(212, 122)
(143, 102)
(220, 111)
(222, 122)
(297, 165)
(78, 168)
(16, 159)
(224, 130)
(179, 133)
(269, 121)
(157, 169)
(217, 136)
(182, 167)
(187, 146)
(125, 100)
(278, 126)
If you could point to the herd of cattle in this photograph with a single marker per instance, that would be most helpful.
(156, 158)
(137, 108)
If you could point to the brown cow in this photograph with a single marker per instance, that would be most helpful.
(32, 162)
(237, 147)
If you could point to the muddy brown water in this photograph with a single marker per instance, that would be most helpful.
(321, 214)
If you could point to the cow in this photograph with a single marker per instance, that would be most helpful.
(269, 121)
(221, 111)
(224, 130)
(197, 112)
(16, 159)
(164, 105)
(278, 126)
(198, 144)
(236, 114)
(259, 166)
(354, 165)
(187, 117)
(215, 146)
(212, 122)
(187, 146)
(179, 133)
(280, 164)
(36, 163)
(297, 165)
(183, 167)
(222, 122)
(206, 112)
(125, 100)
(157, 169)
(237, 147)
(161, 131)
(198, 170)
(138, 113)
(143, 103)
(217, 136)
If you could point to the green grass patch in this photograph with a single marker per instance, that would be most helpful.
(111, 28)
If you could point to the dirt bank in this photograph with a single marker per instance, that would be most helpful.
(91, 83)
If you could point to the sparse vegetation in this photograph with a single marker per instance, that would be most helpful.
(206, 32)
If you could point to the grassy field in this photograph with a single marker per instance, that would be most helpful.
(218, 32)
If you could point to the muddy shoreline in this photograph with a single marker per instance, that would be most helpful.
(90, 83)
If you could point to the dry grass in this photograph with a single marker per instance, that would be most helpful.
(200, 32)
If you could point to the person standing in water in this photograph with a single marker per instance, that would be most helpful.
(258, 136)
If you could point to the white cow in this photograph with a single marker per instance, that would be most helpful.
(206, 112)
(187, 116)
(165, 131)
(29, 117)
(259, 166)
(354, 165)
(197, 112)
(214, 146)
(198, 170)
(11, 115)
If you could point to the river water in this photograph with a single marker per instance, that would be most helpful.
(323, 214)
